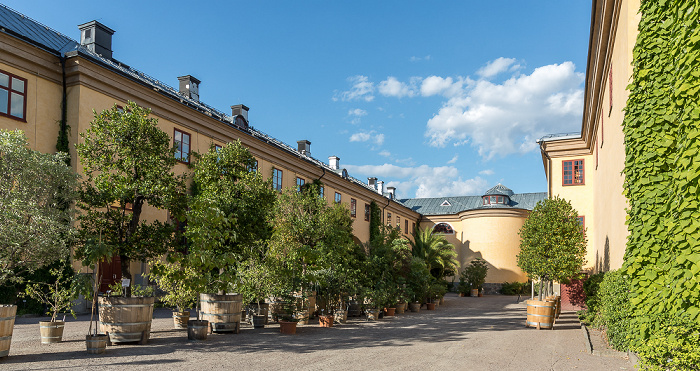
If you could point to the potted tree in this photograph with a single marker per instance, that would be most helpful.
(127, 161)
(475, 274)
(418, 283)
(175, 278)
(256, 282)
(552, 248)
(35, 215)
(463, 287)
(58, 296)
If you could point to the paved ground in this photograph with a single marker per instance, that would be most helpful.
(485, 333)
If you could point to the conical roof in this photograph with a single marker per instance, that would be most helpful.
(499, 189)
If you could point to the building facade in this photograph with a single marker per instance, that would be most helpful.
(586, 167)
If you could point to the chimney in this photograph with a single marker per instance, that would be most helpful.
(380, 187)
(372, 181)
(392, 192)
(334, 162)
(97, 38)
(304, 146)
(189, 86)
(240, 110)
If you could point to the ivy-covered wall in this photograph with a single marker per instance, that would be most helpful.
(662, 166)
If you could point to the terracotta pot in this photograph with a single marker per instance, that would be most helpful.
(461, 294)
(442, 300)
(475, 292)
(325, 321)
(390, 312)
(288, 327)
(431, 306)
(481, 293)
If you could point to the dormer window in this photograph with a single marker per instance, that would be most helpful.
(443, 228)
(495, 200)
(446, 203)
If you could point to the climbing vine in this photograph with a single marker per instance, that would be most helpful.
(375, 220)
(662, 167)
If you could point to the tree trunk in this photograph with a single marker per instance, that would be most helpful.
(126, 273)
(541, 288)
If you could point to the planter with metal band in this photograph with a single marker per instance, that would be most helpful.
(222, 311)
(540, 314)
(126, 319)
(7, 323)
(51, 332)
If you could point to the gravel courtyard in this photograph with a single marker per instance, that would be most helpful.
(467, 333)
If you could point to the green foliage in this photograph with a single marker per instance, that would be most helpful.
(439, 255)
(475, 274)
(614, 316)
(418, 280)
(387, 268)
(552, 245)
(58, 293)
(375, 221)
(137, 290)
(662, 172)
(128, 164)
(590, 290)
(515, 288)
(35, 192)
(181, 282)
(674, 344)
(229, 213)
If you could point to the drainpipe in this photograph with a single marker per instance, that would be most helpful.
(64, 108)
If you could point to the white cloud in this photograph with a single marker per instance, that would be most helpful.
(418, 59)
(497, 66)
(454, 159)
(392, 87)
(365, 136)
(501, 119)
(357, 112)
(487, 172)
(362, 89)
(428, 181)
(384, 153)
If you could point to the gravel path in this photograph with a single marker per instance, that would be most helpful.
(467, 333)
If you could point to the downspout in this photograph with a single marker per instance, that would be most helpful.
(63, 142)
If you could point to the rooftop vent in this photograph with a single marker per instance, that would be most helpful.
(97, 38)
(304, 146)
(240, 110)
(380, 187)
(392, 192)
(372, 181)
(334, 162)
(189, 86)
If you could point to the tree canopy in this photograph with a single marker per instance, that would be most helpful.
(35, 194)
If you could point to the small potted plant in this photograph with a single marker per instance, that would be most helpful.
(475, 275)
(175, 278)
(256, 282)
(463, 287)
(58, 296)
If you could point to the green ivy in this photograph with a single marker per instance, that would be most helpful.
(662, 167)
(375, 221)
(614, 308)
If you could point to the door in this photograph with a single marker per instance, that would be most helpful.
(111, 272)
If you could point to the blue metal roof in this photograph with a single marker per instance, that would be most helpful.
(432, 206)
(25, 28)
(500, 189)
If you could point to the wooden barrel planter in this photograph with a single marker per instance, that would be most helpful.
(96, 344)
(222, 311)
(312, 303)
(51, 332)
(540, 314)
(197, 330)
(430, 306)
(180, 320)
(400, 308)
(354, 309)
(414, 307)
(325, 320)
(557, 300)
(258, 321)
(475, 292)
(7, 323)
(126, 319)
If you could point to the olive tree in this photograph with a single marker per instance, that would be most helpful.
(553, 243)
(128, 163)
(36, 191)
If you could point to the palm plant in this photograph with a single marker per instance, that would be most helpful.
(439, 255)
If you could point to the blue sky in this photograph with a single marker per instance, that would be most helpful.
(438, 98)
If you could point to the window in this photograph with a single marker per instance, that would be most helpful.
(321, 192)
(353, 207)
(367, 212)
(573, 172)
(398, 222)
(253, 167)
(582, 221)
(413, 228)
(443, 228)
(13, 96)
(388, 218)
(300, 182)
(405, 227)
(338, 197)
(217, 148)
(182, 142)
(277, 179)
(495, 200)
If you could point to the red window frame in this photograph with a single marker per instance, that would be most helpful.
(573, 172)
(367, 212)
(277, 179)
(10, 89)
(180, 145)
(353, 207)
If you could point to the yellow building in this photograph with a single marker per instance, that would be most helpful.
(586, 167)
(483, 227)
(39, 67)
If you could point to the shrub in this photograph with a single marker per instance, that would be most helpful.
(590, 290)
(674, 344)
(613, 301)
(514, 288)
